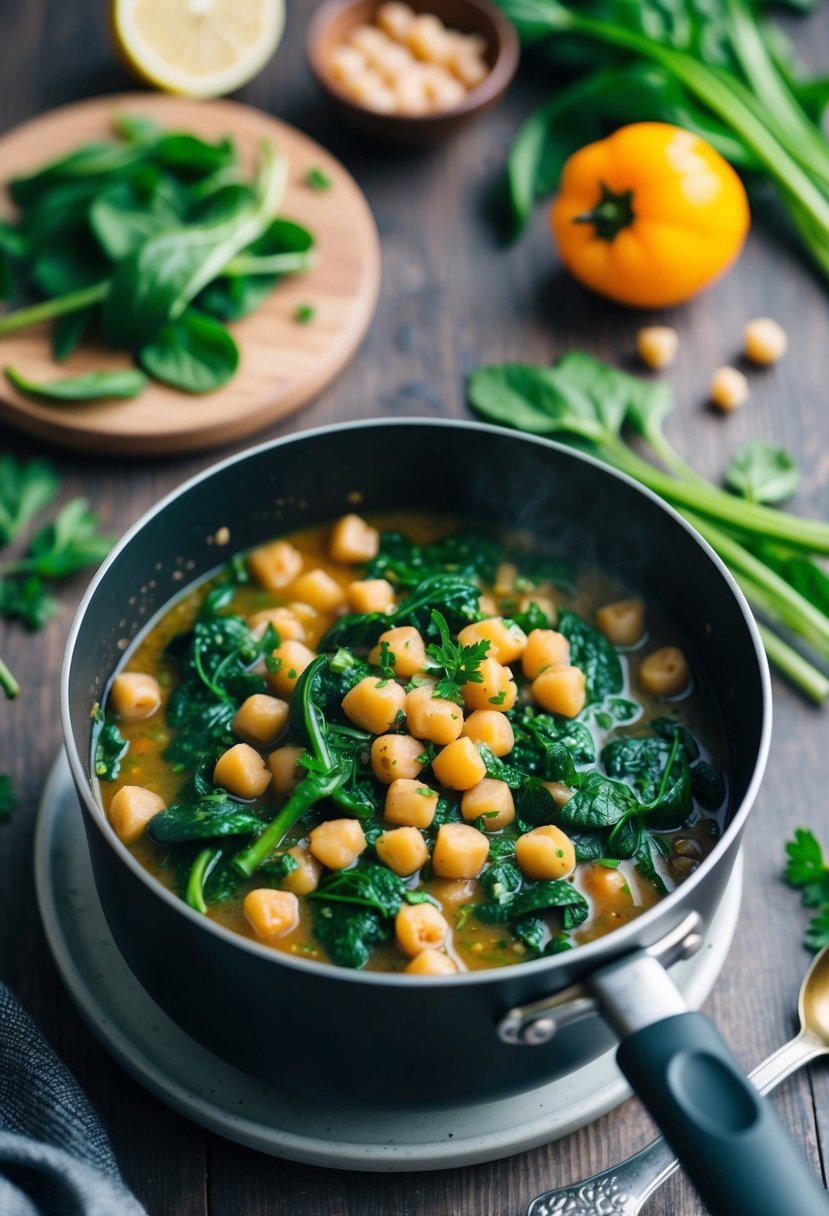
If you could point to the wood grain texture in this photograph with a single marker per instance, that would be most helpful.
(283, 363)
(451, 297)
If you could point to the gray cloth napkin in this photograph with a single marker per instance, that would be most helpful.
(55, 1159)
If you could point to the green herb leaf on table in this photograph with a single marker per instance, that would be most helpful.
(761, 472)
(91, 386)
(26, 489)
(806, 869)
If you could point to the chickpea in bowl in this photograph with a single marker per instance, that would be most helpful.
(411, 73)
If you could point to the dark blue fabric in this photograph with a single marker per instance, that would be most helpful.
(55, 1159)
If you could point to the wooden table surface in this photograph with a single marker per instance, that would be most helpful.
(451, 298)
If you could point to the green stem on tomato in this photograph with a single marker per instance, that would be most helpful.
(22, 318)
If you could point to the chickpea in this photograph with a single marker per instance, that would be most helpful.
(406, 644)
(370, 595)
(433, 718)
(657, 345)
(558, 791)
(453, 893)
(242, 772)
(507, 641)
(305, 878)
(395, 19)
(353, 540)
(622, 622)
(545, 853)
(347, 63)
(603, 882)
(410, 92)
(545, 648)
(561, 690)
(318, 589)
(375, 705)
(286, 771)
(261, 719)
(131, 809)
(135, 695)
(492, 729)
(284, 621)
(728, 389)
(492, 800)
(495, 690)
(402, 850)
(290, 659)
(394, 756)
(470, 69)
(271, 914)
(431, 962)
(420, 927)
(764, 341)
(427, 38)
(460, 851)
(459, 765)
(275, 565)
(410, 803)
(337, 843)
(665, 672)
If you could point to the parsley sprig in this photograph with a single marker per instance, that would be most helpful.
(807, 870)
(459, 664)
(59, 548)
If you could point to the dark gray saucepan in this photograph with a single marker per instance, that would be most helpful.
(355, 1036)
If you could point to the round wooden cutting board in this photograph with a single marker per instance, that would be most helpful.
(283, 363)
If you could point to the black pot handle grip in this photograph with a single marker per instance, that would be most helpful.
(729, 1139)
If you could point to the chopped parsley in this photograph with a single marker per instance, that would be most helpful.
(458, 664)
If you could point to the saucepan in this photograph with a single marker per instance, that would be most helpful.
(382, 1038)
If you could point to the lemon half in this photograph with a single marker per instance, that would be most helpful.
(198, 48)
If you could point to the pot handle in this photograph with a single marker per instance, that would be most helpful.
(729, 1139)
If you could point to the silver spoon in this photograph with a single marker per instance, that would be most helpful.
(624, 1188)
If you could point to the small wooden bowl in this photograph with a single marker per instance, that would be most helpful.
(332, 24)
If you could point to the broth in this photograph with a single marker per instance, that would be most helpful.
(643, 811)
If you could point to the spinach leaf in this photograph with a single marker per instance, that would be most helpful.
(211, 815)
(502, 881)
(454, 598)
(709, 785)
(91, 386)
(348, 934)
(110, 748)
(279, 866)
(125, 216)
(592, 652)
(669, 728)
(369, 885)
(67, 544)
(761, 472)
(598, 803)
(659, 774)
(471, 555)
(69, 331)
(247, 280)
(155, 283)
(499, 769)
(534, 804)
(194, 353)
(100, 161)
(555, 895)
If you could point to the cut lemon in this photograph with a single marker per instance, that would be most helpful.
(198, 48)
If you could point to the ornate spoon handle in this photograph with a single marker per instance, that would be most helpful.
(623, 1189)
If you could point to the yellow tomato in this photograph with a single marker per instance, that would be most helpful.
(650, 215)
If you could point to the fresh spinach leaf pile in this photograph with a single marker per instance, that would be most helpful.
(155, 239)
(632, 780)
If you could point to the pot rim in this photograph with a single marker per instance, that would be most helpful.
(589, 954)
